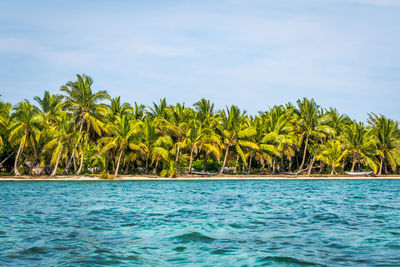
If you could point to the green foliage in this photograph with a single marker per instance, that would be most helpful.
(83, 130)
(212, 166)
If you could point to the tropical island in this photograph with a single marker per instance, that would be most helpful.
(83, 131)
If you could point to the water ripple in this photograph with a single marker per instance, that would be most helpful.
(203, 223)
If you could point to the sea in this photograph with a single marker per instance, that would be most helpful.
(200, 223)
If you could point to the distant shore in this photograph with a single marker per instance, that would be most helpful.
(195, 178)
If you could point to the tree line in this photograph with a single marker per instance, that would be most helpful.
(84, 131)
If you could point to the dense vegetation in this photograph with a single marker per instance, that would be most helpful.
(83, 131)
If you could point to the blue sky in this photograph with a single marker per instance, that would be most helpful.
(343, 53)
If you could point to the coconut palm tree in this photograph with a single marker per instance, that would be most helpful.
(310, 124)
(138, 111)
(148, 137)
(278, 138)
(25, 129)
(118, 109)
(50, 105)
(331, 154)
(234, 128)
(122, 130)
(205, 110)
(358, 145)
(159, 110)
(5, 109)
(85, 105)
(63, 135)
(385, 133)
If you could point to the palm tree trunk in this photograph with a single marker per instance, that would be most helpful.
(290, 164)
(353, 165)
(177, 154)
(226, 156)
(146, 168)
(1, 163)
(249, 170)
(16, 172)
(73, 150)
(311, 166)
(333, 169)
(81, 163)
(127, 167)
(54, 172)
(191, 160)
(304, 154)
(155, 168)
(119, 160)
(82, 156)
(273, 164)
(205, 162)
(380, 167)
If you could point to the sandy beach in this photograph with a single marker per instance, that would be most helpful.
(193, 178)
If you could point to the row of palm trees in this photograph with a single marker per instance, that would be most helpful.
(81, 130)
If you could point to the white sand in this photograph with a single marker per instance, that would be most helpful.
(193, 178)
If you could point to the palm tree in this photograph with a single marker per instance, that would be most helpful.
(160, 151)
(331, 154)
(386, 135)
(50, 105)
(160, 110)
(121, 132)
(138, 111)
(335, 121)
(116, 108)
(309, 122)
(278, 138)
(358, 145)
(5, 109)
(176, 125)
(63, 135)
(234, 130)
(148, 136)
(25, 129)
(81, 101)
(192, 139)
(205, 110)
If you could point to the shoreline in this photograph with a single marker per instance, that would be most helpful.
(195, 178)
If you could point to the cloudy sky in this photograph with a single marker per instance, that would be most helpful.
(255, 54)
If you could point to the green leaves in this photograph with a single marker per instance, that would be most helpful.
(168, 137)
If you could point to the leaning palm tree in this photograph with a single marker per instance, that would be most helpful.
(63, 134)
(25, 129)
(386, 135)
(86, 106)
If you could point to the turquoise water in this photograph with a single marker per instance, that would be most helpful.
(202, 223)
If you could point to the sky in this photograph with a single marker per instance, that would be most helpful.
(254, 54)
